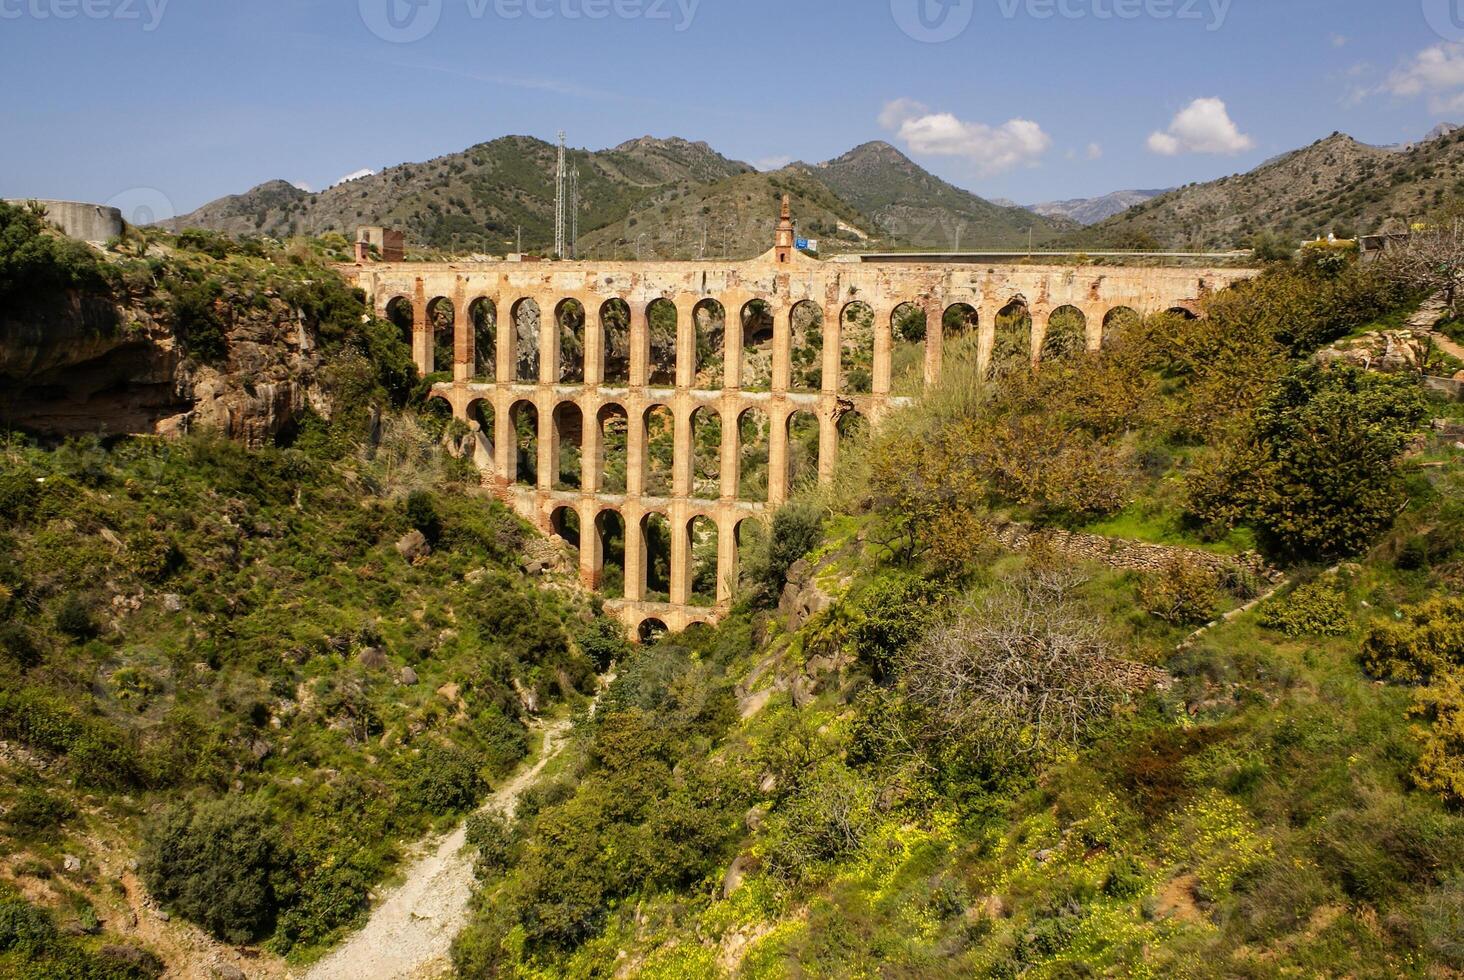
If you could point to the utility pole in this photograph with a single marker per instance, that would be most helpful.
(574, 213)
(559, 179)
(520, 239)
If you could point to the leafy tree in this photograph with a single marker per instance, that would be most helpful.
(1316, 471)
(215, 864)
(35, 260)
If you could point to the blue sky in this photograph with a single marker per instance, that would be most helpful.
(181, 101)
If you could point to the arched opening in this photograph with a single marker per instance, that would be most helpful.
(960, 334)
(656, 547)
(757, 345)
(402, 316)
(1182, 311)
(856, 348)
(1067, 334)
(651, 632)
(907, 354)
(803, 447)
(753, 448)
(806, 347)
(610, 527)
(526, 341)
(565, 523)
(661, 319)
(614, 435)
(706, 454)
(1119, 322)
(853, 427)
(484, 315)
(750, 532)
(570, 315)
(660, 449)
(711, 345)
(481, 412)
(442, 318)
(615, 331)
(701, 545)
(524, 460)
(569, 435)
(1012, 349)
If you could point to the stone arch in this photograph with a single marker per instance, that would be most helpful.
(1012, 346)
(1119, 321)
(710, 370)
(569, 436)
(856, 348)
(907, 358)
(758, 329)
(803, 449)
(753, 442)
(614, 462)
(526, 353)
(570, 316)
(960, 328)
(650, 631)
(442, 322)
(702, 543)
(523, 457)
(609, 559)
(564, 522)
(805, 348)
(853, 426)
(482, 413)
(655, 543)
(661, 323)
(706, 453)
(1066, 335)
(659, 423)
(483, 315)
(402, 315)
(747, 531)
(615, 343)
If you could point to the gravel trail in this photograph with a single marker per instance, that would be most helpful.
(410, 932)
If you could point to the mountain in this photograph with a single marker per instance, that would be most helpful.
(476, 200)
(909, 204)
(1091, 210)
(736, 218)
(1335, 184)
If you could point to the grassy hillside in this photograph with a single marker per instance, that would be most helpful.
(234, 683)
(984, 762)
(1336, 184)
(476, 200)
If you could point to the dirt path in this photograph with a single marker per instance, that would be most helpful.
(412, 927)
(1429, 314)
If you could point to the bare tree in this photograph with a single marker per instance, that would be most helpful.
(1025, 664)
(1432, 261)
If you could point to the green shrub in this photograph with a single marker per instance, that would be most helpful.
(1185, 593)
(74, 618)
(443, 780)
(1423, 640)
(496, 840)
(24, 928)
(796, 530)
(1314, 609)
(215, 863)
(37, 811)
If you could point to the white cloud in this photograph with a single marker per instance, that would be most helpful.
(1437, 72)
(772, 163)
(1095, 151)
(1339, 40)
(1203, 126)
(357, 175)
(992, 149)
(300, 184)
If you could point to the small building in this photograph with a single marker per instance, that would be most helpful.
(388, 245)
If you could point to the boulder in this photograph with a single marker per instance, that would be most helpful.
(408, 677)
(414, 547)
(372, 659)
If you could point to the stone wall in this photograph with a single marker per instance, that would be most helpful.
(1137, 556)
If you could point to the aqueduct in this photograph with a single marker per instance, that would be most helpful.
(595, 354)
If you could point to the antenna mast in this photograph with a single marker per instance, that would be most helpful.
(574, 210)
(559, 179)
